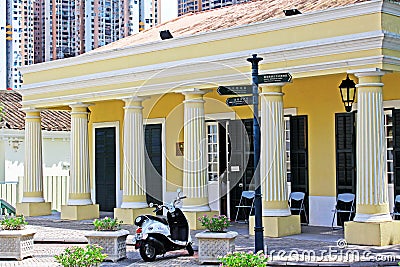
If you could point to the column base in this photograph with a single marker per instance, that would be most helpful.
(80, 212)
(33, 208)
(372, 233)
(128, 216)
(278, 226)
(192, 217)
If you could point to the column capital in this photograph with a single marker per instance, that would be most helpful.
(194, 91)
(274, 84)
(30, 109)
(132, 99)
(31, 113)
(80, 105)
(368, 72)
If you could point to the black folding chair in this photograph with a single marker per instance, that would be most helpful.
(296, 203)
(246, 203)
(396, 208)
(344, 205)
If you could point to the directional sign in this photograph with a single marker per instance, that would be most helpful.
(275, 78)
(239, 101)
(235, 90)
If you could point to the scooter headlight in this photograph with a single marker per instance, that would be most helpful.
(139, 220)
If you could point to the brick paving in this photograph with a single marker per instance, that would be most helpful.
(316, 246)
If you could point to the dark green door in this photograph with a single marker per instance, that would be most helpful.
(153, 163)
(105, 167)
(240, 154)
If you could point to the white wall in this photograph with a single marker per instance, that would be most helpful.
(56, 156)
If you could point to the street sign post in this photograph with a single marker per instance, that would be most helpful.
(235, 90)
(275, 78)
(239, 101)
(258, 228)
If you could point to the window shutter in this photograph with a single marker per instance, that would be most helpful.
(396, 149)
(345, 132)
(299, 153)
(299, 157)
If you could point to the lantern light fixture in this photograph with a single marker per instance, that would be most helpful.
(348, 93)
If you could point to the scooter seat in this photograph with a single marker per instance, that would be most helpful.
(159, 219)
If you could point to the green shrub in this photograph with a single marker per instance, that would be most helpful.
(81, 257)
(107, 224)
(242, 259)
(215, 223)
(13, 223)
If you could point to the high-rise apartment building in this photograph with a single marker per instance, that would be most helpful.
(43, 30)
(190, 6)
(16, 49)
(72, 27)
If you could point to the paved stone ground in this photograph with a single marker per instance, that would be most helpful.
(316, 246)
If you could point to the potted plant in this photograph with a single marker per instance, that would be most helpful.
(244, 259)
(91, 255)
(16, 242)
(109, 235)
(215, 242)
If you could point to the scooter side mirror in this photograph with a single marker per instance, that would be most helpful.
(151, 205)
(179, 193)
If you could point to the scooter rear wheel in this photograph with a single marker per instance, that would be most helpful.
(189, 249)
(148, 252)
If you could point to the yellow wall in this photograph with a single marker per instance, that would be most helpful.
(170, 107)
(319, 99)
(391, 23)
(107, 111)
(391, 89)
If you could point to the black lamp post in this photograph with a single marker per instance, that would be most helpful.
(258, 229)
(348, 93)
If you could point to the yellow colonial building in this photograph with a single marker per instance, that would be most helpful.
(146, 117)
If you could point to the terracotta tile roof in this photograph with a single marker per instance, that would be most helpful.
(223, 18)
(14, 118)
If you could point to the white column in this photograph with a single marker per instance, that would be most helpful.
(134, 180)
(195, 185)
(372, 186)
(79, 187)
(272, 158)
(33, 164)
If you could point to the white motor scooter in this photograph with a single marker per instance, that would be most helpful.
(157, 235)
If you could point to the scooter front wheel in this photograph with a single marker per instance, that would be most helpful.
(148, 252)
(189, 249)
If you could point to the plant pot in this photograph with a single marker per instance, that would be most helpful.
(112, 242)
(213, 245)
(16, 244)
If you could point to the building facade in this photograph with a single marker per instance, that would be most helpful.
(193, 140)
(16, 25)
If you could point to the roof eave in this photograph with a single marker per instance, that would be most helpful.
(268, 25)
